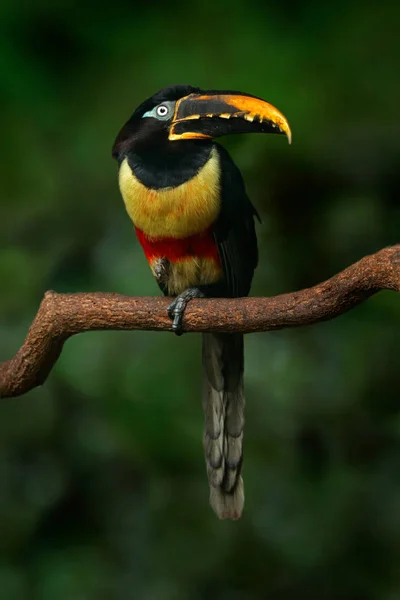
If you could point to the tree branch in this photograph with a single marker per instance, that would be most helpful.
(62, 315)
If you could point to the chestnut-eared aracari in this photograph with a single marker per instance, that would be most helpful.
(188, 203)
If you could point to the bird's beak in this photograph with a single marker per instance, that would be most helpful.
(213, 114)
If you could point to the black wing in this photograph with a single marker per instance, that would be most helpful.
(234, 230)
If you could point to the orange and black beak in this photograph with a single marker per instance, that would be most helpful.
(213, 114)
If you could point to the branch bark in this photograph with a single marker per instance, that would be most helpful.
(61, 316)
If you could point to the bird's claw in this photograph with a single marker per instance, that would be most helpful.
(176, 309)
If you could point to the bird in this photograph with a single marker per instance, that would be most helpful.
(192, 216)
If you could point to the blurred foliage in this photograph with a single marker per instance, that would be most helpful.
(103, 491)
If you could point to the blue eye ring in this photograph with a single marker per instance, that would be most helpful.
(162, 110)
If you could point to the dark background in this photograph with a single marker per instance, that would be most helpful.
(103, 491)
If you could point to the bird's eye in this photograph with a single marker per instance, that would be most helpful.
(162, 110)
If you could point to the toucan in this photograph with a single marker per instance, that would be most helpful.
(189, 207)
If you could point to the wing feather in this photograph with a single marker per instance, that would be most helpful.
(234, 231)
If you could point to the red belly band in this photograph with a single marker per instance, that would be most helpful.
(200, 245)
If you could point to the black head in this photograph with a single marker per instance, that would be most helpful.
(183, 112)
(147, 125)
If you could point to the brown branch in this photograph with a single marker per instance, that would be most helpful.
(62, 315)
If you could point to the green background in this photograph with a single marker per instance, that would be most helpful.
(103, 491)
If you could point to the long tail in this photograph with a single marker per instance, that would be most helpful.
(223, 404)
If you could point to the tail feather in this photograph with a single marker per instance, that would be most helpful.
(223, 403)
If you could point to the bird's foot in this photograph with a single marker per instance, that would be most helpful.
(176, 309)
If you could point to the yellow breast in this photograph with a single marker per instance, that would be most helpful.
(173, 211)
